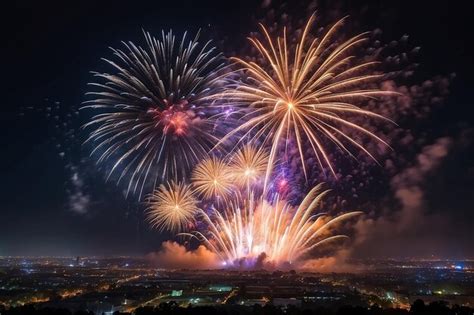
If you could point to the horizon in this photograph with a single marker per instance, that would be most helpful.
(416, 197)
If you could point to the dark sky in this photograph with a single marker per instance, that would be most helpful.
(48, 53)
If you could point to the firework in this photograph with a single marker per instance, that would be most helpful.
(172, 207)
(304, 95)
(212, 179)
(284, 234)
(248, 165)
(154, 119)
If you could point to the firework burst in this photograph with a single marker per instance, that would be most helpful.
(304, 95)
(284, 234)
(212, 179)
(172, 207)
(248, 165)
(154, 120)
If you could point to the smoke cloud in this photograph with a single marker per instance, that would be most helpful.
(412, 224)
(78, 200)
(175, 256)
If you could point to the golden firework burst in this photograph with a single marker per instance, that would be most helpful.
(248, 165)
(212, 179)
(305, 95)
(172, 207)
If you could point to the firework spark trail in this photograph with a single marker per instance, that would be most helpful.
(155, 119)
(245, 231)
(304, 93)
(172, 207)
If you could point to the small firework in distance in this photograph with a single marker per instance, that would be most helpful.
(172, 207)
(153, 116)
(248, 165)
(212, 179)
(304, 95)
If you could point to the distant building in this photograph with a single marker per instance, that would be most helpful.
(286, 302)
(176, 292)
(220, 288)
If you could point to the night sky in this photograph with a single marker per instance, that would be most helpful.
(54, 201)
